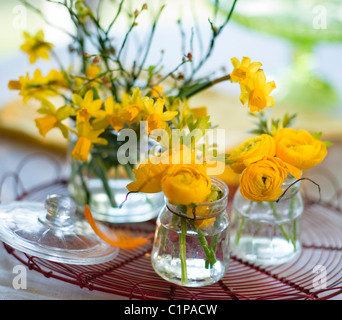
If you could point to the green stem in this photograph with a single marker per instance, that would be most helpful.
(210, 254)
(101, 172)
(182, 251)
(242, 224)
(201, 87)
(291, 210)
(84, 185)
(276, 215)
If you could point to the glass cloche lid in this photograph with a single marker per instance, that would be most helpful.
(52, 231)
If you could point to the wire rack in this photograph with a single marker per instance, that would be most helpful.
(131, 275)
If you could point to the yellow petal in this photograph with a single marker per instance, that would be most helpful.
(148, 178)
(255, 66)
(235, 62)
(259, 79)
(45, 124)
(81, 149)
(269, 87)
(14, 85)
(245, 61)
(168, 115)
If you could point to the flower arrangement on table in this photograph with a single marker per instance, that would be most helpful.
(99, 95)
(102, 97)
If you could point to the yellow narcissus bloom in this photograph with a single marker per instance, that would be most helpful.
(156, 91)
(53, 118)
(262, 180)
(87, 136)
(186, 184)
(39, 87)
(87, 106)
(299, 148)
(111, 116)
(256, 92)
(244, 69)
(252, 150)
(155, 115)
(132, 106)
(36, 47)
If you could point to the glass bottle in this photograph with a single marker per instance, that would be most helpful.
(191, 245)
(268, 233)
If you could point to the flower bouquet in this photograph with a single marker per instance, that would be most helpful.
(267, 209)
(109, 108)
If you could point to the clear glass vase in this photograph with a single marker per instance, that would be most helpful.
(268, 233)
(101, 183)
(191, 245)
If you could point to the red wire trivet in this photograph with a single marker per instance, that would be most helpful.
(131, 275)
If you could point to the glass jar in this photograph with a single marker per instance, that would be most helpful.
(101, 183)
(191, 245)
(268, 233)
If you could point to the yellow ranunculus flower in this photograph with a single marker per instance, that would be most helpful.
(252, 150)
(186, 184)
(262, 180)
(299, 148)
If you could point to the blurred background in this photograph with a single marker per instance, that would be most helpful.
(299, 43)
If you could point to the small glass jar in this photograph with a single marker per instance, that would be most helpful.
(268, 233)
(101, 182)
(191, 245)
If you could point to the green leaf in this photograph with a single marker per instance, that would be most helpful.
(317, 135)
(288, 120)
(328, 143)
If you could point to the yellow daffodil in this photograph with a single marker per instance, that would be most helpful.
(155, 115)
(132, 107)
(243, 70)
(91, 78)
(87, 106)
(36, 47)
(53, 118)
(256, 92)
(87, 136)
(93, 71)
(156, 91)
(111, 116)
(39, 87)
